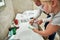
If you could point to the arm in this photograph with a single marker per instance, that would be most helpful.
(49, 30)
(52, 27)
(36, 15)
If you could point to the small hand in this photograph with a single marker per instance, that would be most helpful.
(32, 21)
(39, 22)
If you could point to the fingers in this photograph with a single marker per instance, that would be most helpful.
(32, 21)
(39, 22)
(35, 30)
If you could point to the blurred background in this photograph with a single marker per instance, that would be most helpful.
(8, 13)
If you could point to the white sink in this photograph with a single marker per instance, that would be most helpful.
(24, 33)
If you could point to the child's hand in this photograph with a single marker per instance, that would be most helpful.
(39, 22)
(32, 21)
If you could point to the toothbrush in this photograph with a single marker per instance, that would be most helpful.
(31, 27)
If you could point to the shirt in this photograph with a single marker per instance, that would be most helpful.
(56, 21)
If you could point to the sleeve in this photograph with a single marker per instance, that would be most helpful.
(37, 13)
(56, 21)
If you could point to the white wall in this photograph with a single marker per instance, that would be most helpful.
(22, 5)
(6, 16)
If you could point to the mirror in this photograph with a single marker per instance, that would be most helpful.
(2, 3)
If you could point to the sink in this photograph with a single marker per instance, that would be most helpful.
(24, 33)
